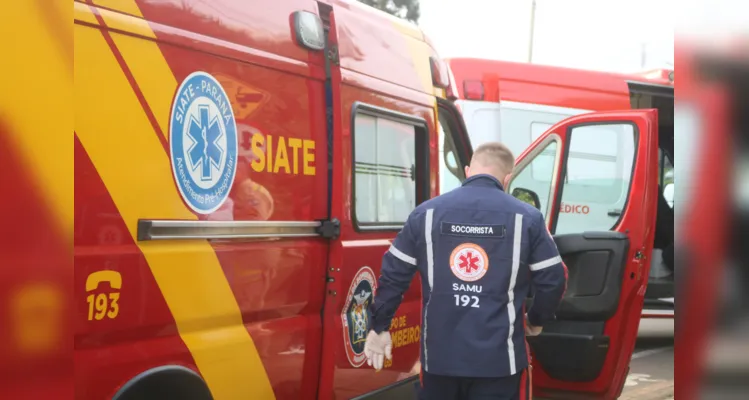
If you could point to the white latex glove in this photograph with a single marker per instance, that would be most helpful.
(377, 347)
(531, 330)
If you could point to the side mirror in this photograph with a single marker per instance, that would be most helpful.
(528, 196)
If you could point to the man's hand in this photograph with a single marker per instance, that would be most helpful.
(531, 330)
(378, 347)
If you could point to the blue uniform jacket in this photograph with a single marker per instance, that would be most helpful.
(478, 250)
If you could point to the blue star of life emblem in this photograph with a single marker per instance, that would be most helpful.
(203, 142)
(206, 152)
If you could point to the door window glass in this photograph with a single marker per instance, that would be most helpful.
(384, 170)
(542, 171)
(598, 174)
(531, 179)
(451, 174)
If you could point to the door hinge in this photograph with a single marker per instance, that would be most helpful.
(332, 54)
(329, 229)
(329, 276)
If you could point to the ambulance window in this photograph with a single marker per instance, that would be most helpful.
(598, 174)
(538, 129)
(541, 171)
(531, 178)
(451, 174)
(385, 170)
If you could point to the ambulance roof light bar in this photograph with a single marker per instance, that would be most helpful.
(473, 90)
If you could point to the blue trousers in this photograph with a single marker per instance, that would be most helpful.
(438, 387)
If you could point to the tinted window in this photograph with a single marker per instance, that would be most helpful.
(451, 173)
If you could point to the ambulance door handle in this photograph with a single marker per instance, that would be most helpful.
(615, 213)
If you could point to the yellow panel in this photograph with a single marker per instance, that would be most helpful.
(127, 23)
(152, 74)
(115, 132)
(420, 53)
(36, 101)
(82, 12)
(145, 61)
(124, 6)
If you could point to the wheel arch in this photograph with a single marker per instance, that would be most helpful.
(164, 383)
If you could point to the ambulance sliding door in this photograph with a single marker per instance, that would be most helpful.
(379, 141)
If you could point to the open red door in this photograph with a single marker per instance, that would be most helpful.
(594, 177)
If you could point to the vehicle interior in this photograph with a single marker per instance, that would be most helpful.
(661, 280)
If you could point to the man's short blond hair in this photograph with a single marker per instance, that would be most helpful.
(494, 155)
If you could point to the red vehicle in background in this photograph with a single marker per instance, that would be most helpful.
(515, 102)
(239, 172)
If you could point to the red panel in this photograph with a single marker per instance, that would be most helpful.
(250, 27)
(386, 55)
(541, 84)
(281, 106)
(35, 303)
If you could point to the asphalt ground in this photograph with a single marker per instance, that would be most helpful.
(651, 375)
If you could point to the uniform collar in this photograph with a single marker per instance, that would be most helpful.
(484, 180)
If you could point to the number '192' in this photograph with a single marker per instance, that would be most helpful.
(464, 300)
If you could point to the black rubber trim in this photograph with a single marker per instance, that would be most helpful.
(651, 89)
(654, 304)
(660, 288)
(460, 137)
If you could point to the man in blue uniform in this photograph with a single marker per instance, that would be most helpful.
(478, 251)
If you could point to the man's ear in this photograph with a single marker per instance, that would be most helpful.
(506, 183)
(467, 170)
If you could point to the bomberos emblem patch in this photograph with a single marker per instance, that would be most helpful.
(203, 142)
(355, 315)
(469, 262)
